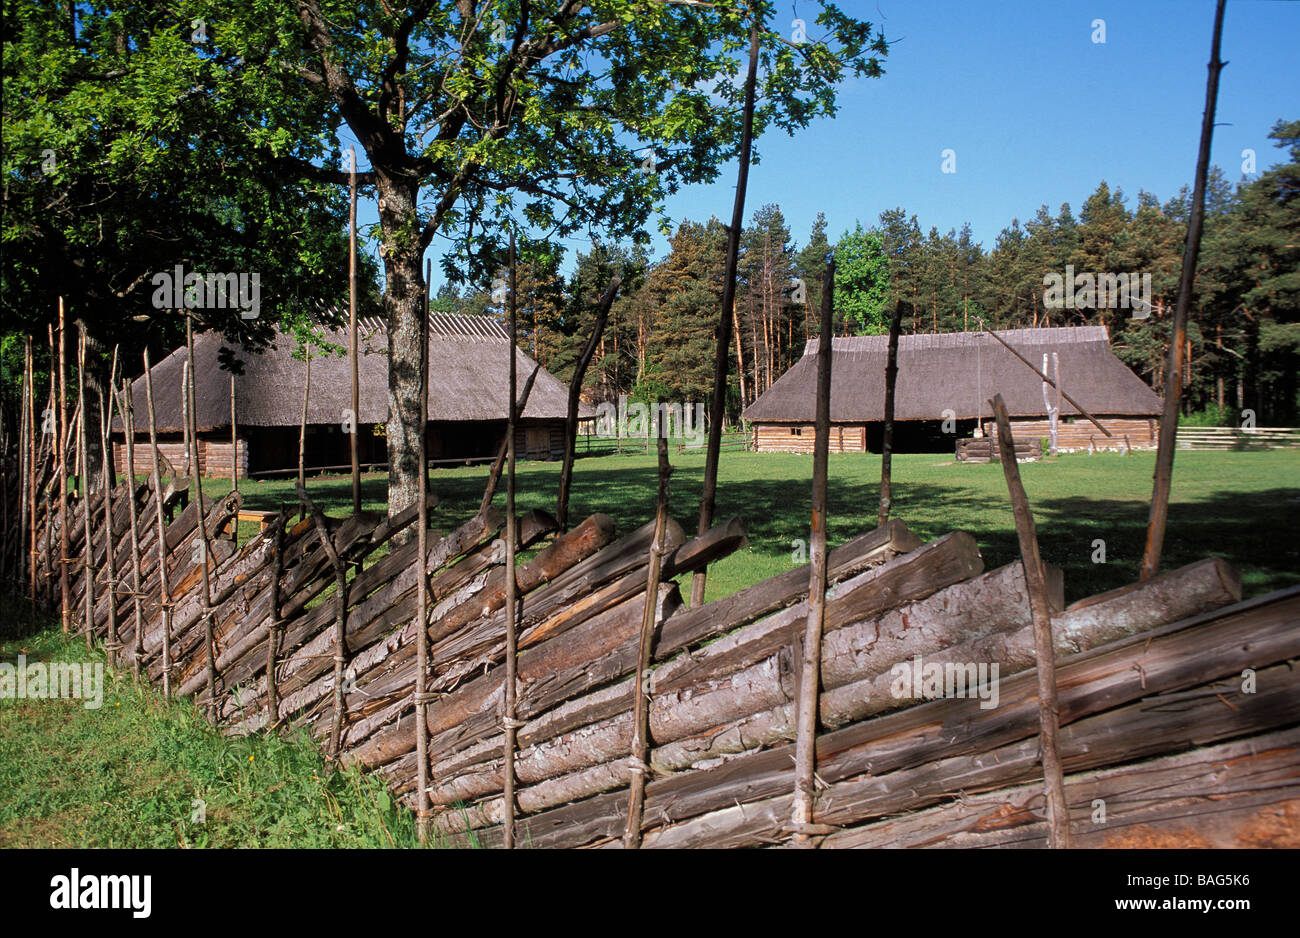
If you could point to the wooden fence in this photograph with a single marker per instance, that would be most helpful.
(1238, 438)
(1157, 718)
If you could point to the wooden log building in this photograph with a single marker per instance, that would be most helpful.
(951, 377)
(468, 395)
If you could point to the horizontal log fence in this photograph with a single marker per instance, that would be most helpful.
(927, 686)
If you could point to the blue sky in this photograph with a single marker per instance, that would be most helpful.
(1035, 110)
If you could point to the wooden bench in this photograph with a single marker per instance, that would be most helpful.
(263, 518)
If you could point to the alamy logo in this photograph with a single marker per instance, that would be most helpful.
(176, 289)
(680, 421)
(79, 681)
(75, 891)
(1097, 291)
(916, 679)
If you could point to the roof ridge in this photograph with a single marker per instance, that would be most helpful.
(1050, 335)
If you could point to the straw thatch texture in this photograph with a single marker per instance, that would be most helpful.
(958, 372)
(467, 380)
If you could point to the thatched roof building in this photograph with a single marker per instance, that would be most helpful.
(953, 376)
(468, 398)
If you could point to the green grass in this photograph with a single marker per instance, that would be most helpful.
(1243, 507)
(128, 774)
(133, 772)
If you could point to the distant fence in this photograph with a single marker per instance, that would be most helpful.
(1238, 438)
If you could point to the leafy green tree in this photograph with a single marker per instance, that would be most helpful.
(117, 165)
(478, 118)
(861, 282)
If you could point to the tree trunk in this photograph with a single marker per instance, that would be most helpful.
(403, 309)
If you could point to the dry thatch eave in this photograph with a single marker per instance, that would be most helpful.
(958, 373)
(468, 379)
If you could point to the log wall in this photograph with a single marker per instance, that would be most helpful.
(1142, 433)
(799, 438)
(215, 456)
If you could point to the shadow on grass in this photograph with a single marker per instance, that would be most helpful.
(1253, 530)
(19, 619)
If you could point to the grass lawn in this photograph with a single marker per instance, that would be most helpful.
(1244, 507)
(128, 774)
(136, 771)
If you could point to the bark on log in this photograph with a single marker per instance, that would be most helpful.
(1218, 795)
(1182, 654)
(748, 674)
(1153, 726)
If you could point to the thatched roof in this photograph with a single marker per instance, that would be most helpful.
(959, 372)
(468, 379)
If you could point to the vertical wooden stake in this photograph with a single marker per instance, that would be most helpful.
(887, 437)
(352, 333)
(65, 587)
(277, 623)
(512, 587)
(1164, 471)
(33, 470)
(126, 407)
(302, 437)
(27, 475)
(810, 677)
(185, 409)
(340, 620)
(717, 403)
(196, 482)
(641, 707)
(422, 585)
(234, 458)
(1058, 812)
(83, 448)
(110, 550)
(155, 475)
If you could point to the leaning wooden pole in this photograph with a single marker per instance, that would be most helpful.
(1164, 471)
(234, 455)
(352, 334)
(28, 473)
(1058, 812)
(805, 759)
(718, 402)
(33, 471)
(155, 475)
(1034, 368)
(302, 436)
(511, 725)
(276, 630)
(112, 643)
(498, 464)
(575, 391)
(65, 586)
(196, 482)
(641, 704)
(887, 438)
(88, 530)
(340, 620)
(126, 407)
(422, 588)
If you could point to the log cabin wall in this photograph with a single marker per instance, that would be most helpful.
(214, 456)
(1071, 436)
(539, 441)
(800, 437)
(1074, 436)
